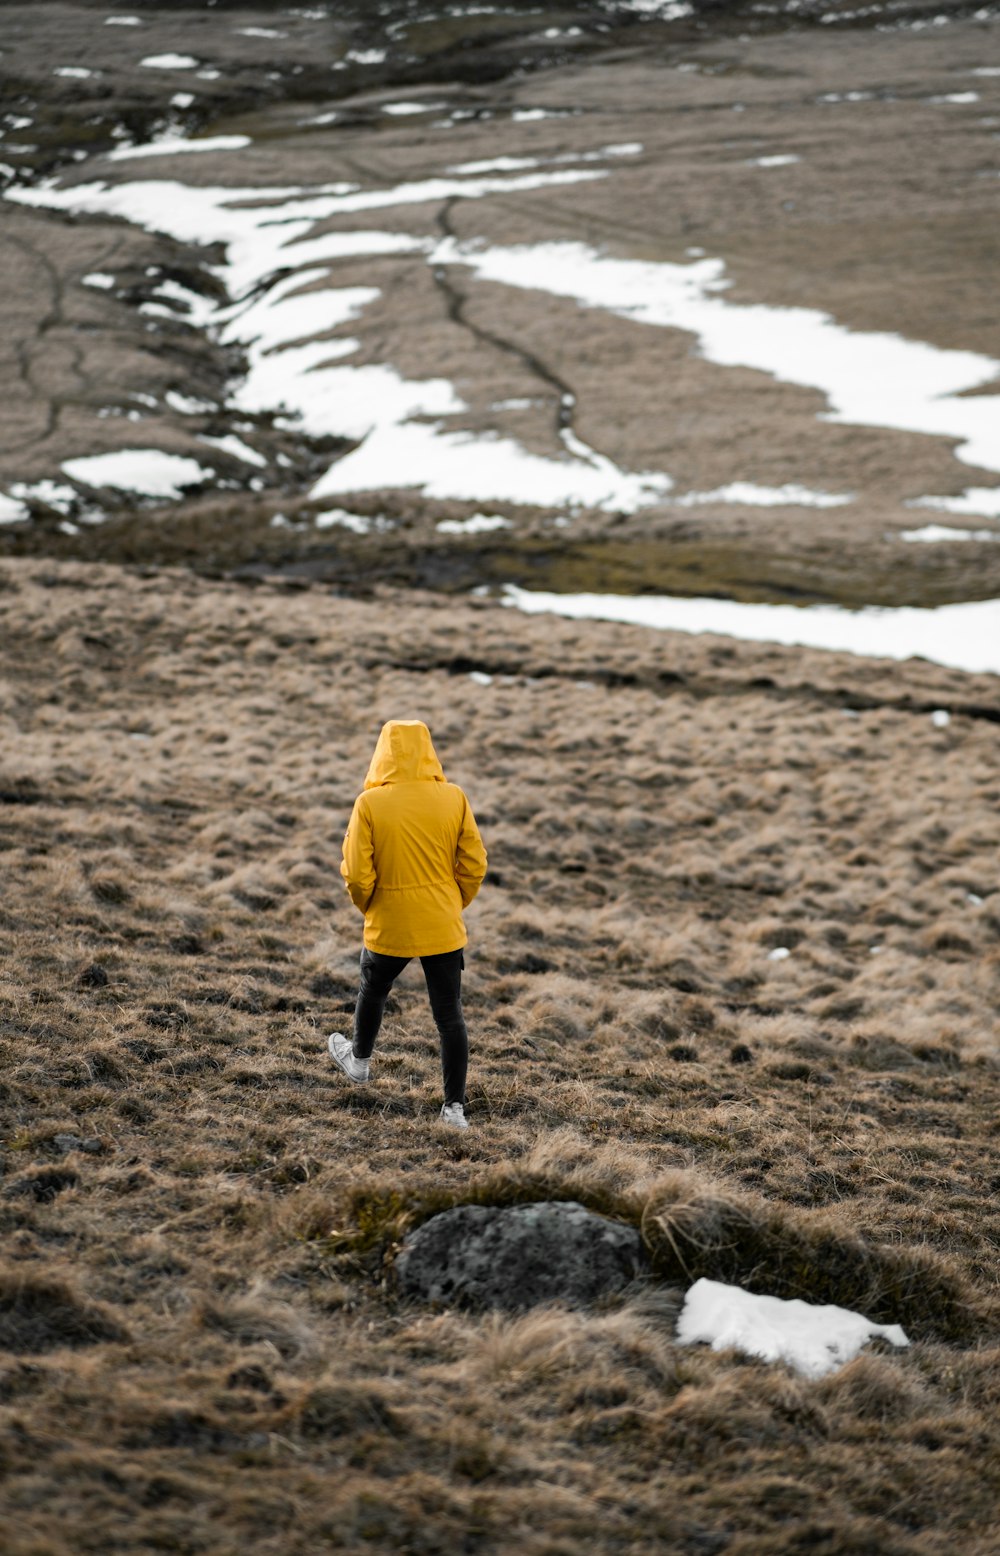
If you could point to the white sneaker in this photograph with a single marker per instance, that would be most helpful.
(342, 1053)
(453, 1113)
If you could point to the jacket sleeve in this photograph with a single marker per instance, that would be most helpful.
(358, 868)
(470, 857)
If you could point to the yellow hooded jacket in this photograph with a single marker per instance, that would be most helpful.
(413, 857)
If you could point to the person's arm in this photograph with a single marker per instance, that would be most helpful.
(470, 857)
(358, 868)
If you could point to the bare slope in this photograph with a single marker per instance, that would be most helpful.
(202, 1345)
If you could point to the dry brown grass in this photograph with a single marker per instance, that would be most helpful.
(204, 1348)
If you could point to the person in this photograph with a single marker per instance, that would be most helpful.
(413, 861)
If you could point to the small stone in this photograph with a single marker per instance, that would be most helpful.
(515, 1256)
(92, 1145)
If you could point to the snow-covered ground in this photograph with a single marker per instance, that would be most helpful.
(286, 308)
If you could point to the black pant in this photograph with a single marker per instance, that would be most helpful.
(443, 975)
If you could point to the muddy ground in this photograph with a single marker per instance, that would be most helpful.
(887, 222)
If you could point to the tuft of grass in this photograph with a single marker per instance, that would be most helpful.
(45, 1312)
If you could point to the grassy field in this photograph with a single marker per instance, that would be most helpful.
(201, 1345)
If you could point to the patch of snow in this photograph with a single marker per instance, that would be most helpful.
(497, 165)
(366, 56)
(516, 164)
(402, 109)
(97, 279)
(171, 145)
(955, 97)
(461, 465)
(940, 718)
(869, 378)
(123, 21)
(173, 298)
(73, 72)
(973, 899)
(55, 494)
(182, 100)
(231, 444)
(11, 511)
(658, 10)
(260, 32)
(530, 115)
(480, 678)
(169, 62)
(150, 472)
(784, 160)
(779, 954)
(936, 534)
(964, 637)
(986, 70)
(209, 75)
(976, 502)
(813, 1339)
(747, 494)
(186, 405)
(479, 524)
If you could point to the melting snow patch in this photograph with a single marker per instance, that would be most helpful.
(935, 534)
(955, 97)
(659, 10)
(480, 677)
(187, 406)
(172, 145)
(814, 1340)
(11, 511)
(53, 493)
(964, 637)
(784, 160)
(977, 502)
(123, 21)
(73, 72)
(479, 524)
(231, 444)
(461, 465)
(98, 279)
(745, 492)
(182, 100)
(147, 471)
(169, 62)
(530, 115)
(402, 109)
(873, 379)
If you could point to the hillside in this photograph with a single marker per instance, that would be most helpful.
(205, 1350)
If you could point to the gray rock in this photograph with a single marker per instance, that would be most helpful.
(516, 1256)
(77, 1143)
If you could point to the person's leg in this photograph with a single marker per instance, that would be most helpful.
(378, 974)
(444, 988)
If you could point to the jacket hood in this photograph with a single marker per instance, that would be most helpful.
(404, 752)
